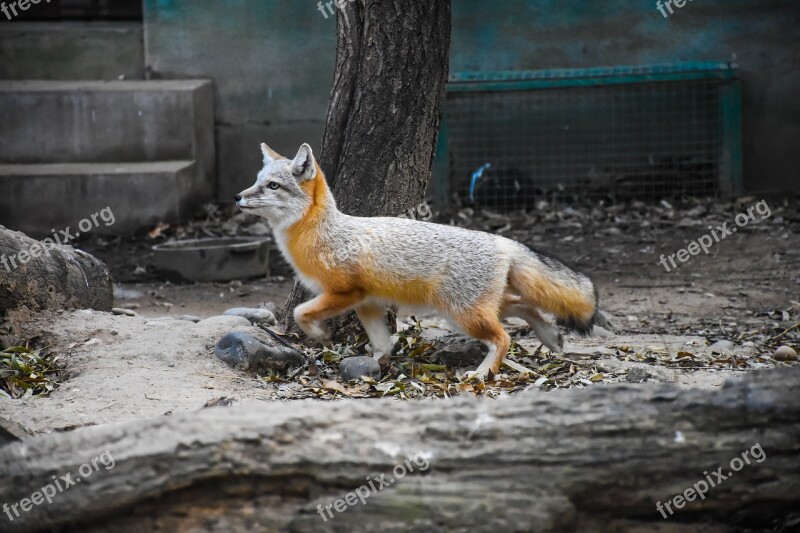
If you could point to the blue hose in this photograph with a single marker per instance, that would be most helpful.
(475, 177)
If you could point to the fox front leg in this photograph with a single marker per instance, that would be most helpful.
(311, 315)
(373, 318)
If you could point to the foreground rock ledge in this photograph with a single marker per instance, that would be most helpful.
(593, 459)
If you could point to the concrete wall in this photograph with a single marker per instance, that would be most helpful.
(71, 51)
(272, 62)
(272, 65)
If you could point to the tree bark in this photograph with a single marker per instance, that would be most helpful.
(392, 62)
(64, 278)
(578, 460)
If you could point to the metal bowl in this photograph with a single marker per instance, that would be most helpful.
(215, 259)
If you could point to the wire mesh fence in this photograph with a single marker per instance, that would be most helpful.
(647, 133)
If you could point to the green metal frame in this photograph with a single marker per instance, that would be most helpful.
(731, 164)
(588, 77)
(730, 101)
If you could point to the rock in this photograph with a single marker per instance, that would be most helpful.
(272, 307)
(696, 212)
(688, 223)
(638, 374)
(431, 334)
(355, 367)
(224, 321)
(189, 318)
(238, 349)
(722, 347)
(785, 353)
(246, 352)
(456, 351)
(121, 293)
(264, 317)
(125, 312)
(604, 350)
(165, 321)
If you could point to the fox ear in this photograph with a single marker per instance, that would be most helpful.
(303, 166)
(269, 153)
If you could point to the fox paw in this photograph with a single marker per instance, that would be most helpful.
(554, 341)
(473, 375)
(317, 331)
(381, 357)
(479, 374)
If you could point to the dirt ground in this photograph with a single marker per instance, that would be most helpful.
(746, 290)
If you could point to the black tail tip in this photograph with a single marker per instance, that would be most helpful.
(581, 327)
(584, 327)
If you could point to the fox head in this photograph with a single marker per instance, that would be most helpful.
(283, 189)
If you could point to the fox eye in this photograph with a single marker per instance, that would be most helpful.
(272, 185)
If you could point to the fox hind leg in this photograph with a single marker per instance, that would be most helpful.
(310, 316)
(547, 333)
(373, 318)
(486, 326)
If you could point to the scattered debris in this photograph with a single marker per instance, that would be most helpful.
(25, 372)
(222, 401)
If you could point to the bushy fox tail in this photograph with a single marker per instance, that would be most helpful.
(546, 283)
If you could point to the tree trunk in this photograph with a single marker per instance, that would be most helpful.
(392, 62)
(597, 459)
(64, 278)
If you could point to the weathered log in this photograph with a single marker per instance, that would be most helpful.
(47, 276)
(597, 459)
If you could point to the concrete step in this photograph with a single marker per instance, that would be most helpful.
(71, 51)
(95, 121)
(40, 199)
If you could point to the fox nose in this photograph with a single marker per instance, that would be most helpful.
(238, 198)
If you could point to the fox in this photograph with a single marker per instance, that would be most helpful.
(472, 278)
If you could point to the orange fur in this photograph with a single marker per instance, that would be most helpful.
(483, 324)
(540, 291)
(305, 246)
(370, 311)
(306, 249)
(416, 292)
(328, 305)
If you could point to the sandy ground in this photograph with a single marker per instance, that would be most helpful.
(746, 290)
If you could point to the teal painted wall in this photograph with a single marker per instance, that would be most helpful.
(272, 62)
(272, 66)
